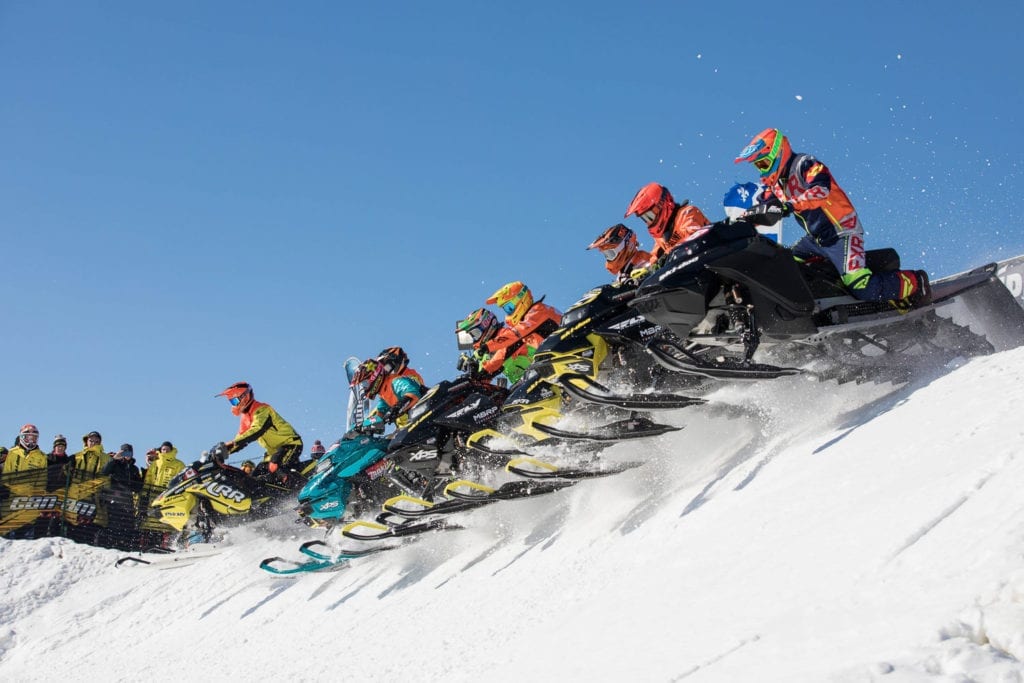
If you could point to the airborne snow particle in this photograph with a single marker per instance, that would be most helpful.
(800, 97)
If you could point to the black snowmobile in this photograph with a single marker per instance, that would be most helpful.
(730, 293)
(600, 344)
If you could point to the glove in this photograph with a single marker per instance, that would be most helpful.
(272, 467)
(466, 364)
(768, 213)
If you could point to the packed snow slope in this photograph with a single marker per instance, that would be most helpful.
(794, 531)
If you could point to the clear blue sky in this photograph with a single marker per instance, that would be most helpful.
(196, 193)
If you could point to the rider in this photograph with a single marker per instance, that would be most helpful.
(472, 333)
(261, 423)
(669, 223)
(527, 323)
(801, 185)
(393, 383)
(621, 251)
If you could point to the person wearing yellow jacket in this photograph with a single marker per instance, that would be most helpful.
(163, 465)
(26, 455)
(92, 459)
(262, 424)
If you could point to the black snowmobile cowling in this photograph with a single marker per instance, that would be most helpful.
(729, 292)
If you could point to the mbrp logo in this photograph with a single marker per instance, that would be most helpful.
(223, 490)
(485, 415)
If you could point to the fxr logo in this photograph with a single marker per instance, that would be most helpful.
(855, 256)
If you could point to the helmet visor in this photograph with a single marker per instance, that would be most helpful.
(509, 307)
(763, 163)
(649, 216)
(235, 400)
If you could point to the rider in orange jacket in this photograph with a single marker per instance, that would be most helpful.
(670, 224)
(527, 323)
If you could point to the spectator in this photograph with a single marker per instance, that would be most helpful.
(57, 463)
(317, 450)
(25, 456)
(125, 481)
(92, 459)
(163, 464)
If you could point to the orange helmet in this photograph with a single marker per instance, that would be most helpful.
(619, 246)
(769, 152)
(239, 395)
(653, 204)
(514, 299)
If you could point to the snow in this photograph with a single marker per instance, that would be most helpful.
(793, 531)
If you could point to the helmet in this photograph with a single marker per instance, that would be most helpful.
(28, 434)
(476, 329)
(769, 152)
(619, 246)
(514, 299)
(373, 373)
(653, 204)
(394, 358)
(239, 395)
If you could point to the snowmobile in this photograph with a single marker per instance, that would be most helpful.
(419, 462)
(211, 492)
(601, 342)
(729, 294)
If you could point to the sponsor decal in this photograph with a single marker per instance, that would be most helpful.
(1013, 278)
(636, 320)
(855, 255)
(330, 505)
(216, 489)
(52, 503)
(486, 414)
(420, 456)
(687, 262)
(467, 408)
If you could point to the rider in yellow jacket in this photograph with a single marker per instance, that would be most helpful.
(262, 424)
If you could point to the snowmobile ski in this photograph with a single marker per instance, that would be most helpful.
(545, 470)
(168, 560)
(479, 441)
(378, 530)
(675, 358)
(320, 560)
(468, 495)
(604, 396)
(631, 428)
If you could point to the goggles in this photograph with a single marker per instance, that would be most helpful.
(612, 251)
(509, 307)
(763, 163)
(235, 401)
(30, 436)
(649, 216)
